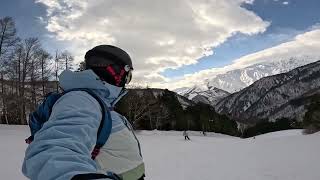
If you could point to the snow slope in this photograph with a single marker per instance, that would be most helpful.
(12, 149)
(285, 155)
(278, 134)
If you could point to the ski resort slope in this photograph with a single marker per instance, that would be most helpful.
(284, 155)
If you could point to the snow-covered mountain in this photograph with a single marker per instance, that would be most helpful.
(283, 95)
(219, 86)
(235, 80)
(207, 94)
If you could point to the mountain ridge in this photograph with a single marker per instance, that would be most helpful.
(235, 80)
(261, 99)
(238, 79)
(208, 95)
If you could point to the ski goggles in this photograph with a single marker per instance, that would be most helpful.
(129, 70)
(124, 74)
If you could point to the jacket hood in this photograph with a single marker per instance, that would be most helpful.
(88, 79)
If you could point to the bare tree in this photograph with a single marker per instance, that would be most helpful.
(28, 72)
(144, 109)
(13, 76)
(57, 67)
(67, 59)
(8, 39)
(137, 105)
(45, 59)
(162, 113)
(30, 48)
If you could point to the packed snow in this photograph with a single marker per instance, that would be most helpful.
(284, 155)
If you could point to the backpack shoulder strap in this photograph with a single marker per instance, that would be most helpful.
(42, 114)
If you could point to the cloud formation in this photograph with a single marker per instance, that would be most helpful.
(157, 34)
(285, 3)
(303, 45)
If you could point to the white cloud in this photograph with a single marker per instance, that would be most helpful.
(157, 34)
(285, 3)
(305, 44)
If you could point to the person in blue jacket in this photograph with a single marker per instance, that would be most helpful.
(61, 149)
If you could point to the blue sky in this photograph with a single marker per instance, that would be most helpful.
(287, 21)
(288, 18)
(26, 14)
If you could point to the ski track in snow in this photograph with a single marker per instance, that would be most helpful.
(284, 155)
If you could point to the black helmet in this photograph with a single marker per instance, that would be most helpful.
(104, 55)
(110, 63)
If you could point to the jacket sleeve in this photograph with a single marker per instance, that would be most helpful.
(62, 147)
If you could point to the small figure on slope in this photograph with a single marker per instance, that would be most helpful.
(185, 134)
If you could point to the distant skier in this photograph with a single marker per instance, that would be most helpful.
(204, 133)
(185, 134)
(83, 137)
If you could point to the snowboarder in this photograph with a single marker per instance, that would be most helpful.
(185, 134)
(80, 119)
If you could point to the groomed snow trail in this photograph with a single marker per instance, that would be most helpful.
(285, 155)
